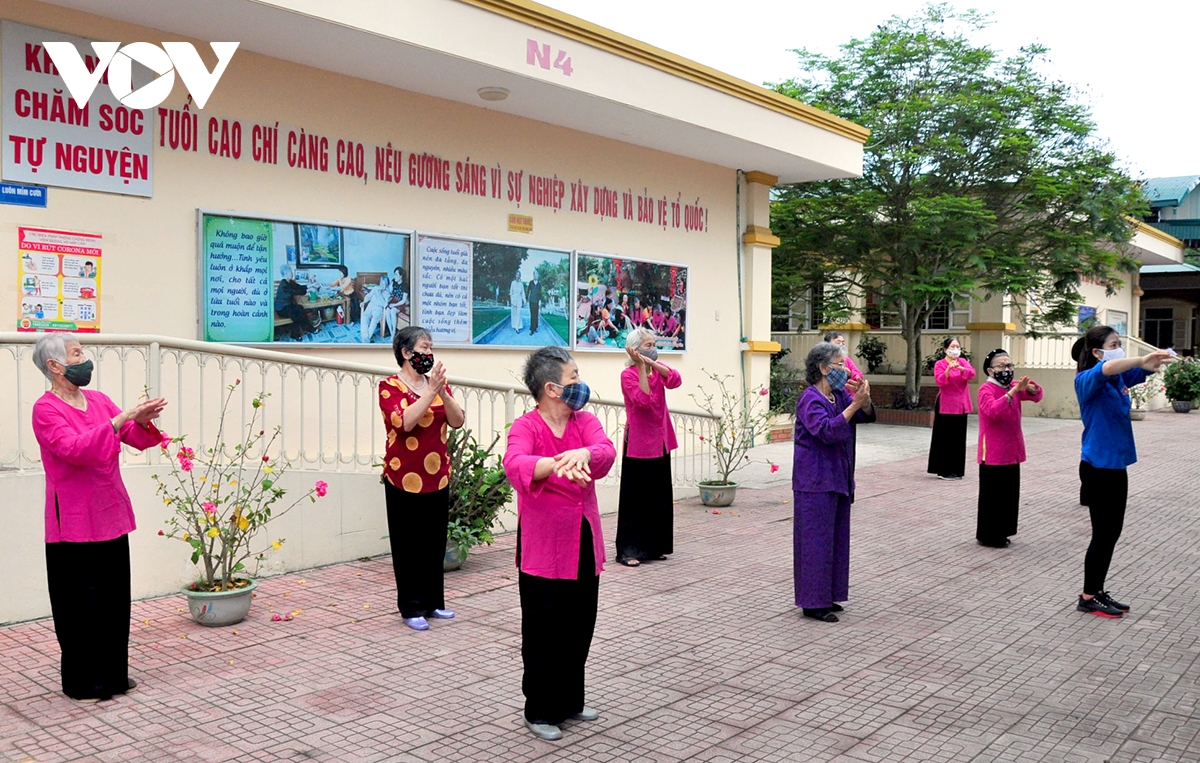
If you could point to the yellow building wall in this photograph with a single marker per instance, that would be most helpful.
(150, 247)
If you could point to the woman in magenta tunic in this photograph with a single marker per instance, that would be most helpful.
(1001, 448)
(555, 452)
(948, 446)
(645, 514)
(823, 480)
(88, 517)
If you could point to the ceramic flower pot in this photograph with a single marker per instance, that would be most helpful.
(717, 495)
(1181, 406)
(453, 558)
(222, 607)
(1136, 414)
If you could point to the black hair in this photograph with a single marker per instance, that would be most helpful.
(946, 342)
(406, 339)
(991, 356)
(831, 335)
(544, 365)
(1094, 339)
(822, 354)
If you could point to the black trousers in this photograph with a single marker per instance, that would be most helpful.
(646, 512)
(90, 600)
(948, 447)
(534, 309)
(1105, 493)
(999, 503)
(558, 619)
(417, 533)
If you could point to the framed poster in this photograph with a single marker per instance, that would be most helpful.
(59, 280)
(1087, 318)
(614, 295)
(493, 294)
(278, 280)
(1118, 321)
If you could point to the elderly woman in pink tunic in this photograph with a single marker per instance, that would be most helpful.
(88, 517)
(645, 514)
(555, 452)
(948, 445)
(1001, 448)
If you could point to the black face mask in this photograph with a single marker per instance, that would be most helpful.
(79, 374)
(1004, 377)
(421, 362)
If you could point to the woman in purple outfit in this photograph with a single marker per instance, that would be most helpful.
(823, 480)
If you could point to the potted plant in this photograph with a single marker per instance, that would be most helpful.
(479, 491)
(1181, 382)
(1140, 394)
(221, 499)
(740, 419)
(872, 350)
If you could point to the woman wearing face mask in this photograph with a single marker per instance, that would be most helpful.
(948, 447)
(555, 452)
(418, 410)
(836, 337)
(823, 480)
(645, 514)
(1001, 448)
(1102, 380)
(88, 517)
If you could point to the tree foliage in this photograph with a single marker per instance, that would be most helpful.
(981, 176)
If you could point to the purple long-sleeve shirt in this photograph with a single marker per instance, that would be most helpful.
(823, 459)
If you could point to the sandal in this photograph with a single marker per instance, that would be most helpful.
(630, 562)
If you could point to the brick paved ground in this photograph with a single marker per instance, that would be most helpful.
(948, 652)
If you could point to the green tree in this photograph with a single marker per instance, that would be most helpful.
(494, 268)
(981, 176)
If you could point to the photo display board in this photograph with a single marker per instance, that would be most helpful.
(276, 280)
(614, 295)
(490, 294)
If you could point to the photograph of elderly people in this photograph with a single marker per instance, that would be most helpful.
(88, 517)
(623, 294)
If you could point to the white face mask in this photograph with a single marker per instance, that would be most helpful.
(953, 352)
(1116, 354)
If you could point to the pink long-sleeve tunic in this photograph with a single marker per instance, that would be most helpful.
(954, 385)
(86, 499)
(648, 428)
(550, 511)
(1001, 441)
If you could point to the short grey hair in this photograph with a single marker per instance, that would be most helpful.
(287, 272)
(52, 346)
(544, 365)
(634, 340)
(824, 354)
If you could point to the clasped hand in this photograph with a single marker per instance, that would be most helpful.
(574, 465)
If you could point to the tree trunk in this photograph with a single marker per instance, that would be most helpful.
(910, 330)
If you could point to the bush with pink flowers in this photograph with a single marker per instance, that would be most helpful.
(222, 497)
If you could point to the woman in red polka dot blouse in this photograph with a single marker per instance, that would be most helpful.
(418, 409)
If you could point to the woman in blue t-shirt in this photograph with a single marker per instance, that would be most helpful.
(1102, 381)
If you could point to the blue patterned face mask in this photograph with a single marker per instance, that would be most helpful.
(837, 378)
(575, 395)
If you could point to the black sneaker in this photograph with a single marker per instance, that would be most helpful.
(1111, 602)
(1097, 607)
(824, 614)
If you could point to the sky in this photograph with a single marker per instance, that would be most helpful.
(1135, 64)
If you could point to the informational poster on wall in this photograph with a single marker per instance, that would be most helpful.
(49, 139)
(59, 275)
(493, 294)
(275, 280)
(614, 295)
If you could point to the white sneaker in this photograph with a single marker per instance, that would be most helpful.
(417, 623)
(442, 614)
(586, 714)
(547, 731)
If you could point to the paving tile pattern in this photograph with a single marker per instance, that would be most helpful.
(947, 652)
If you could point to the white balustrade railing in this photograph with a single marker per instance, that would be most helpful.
(327, 410)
